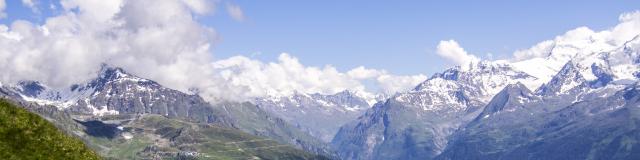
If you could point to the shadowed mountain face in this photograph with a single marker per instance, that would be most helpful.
(252, 119)
(597, 128)
(418, 123)
(568, 105)
(98, 129)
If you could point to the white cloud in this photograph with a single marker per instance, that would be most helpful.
(539, 50)
(364, 73)
(288, 75)
(585, 40)
(160, 40)
(283, 77)
(235, 12)
(387, 83)
(391, 84)
(3, 6)
(451, 51)
(628, 27)
(201, 6)
(91, 10)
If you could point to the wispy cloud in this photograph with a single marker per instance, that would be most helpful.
(3, 6)
(235, 12)
(33, 4)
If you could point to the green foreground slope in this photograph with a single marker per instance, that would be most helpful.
(25, 135)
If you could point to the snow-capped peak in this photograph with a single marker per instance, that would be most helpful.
(591, 55)
(108, 73)
(509, 99)
(345, 100)
(566, 79)
(455, 88)
(484, 79)
(80, 93)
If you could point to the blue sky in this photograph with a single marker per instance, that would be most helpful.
(396, 36)
(401, 36)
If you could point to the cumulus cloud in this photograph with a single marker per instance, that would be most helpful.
(541, 49)
(160, 40)
(451, 51)
(364, 73)
(585, 40)
(3, 6)
(288, 75)
(200, 6)
(284, 77)
(628, 28)
(235, 12)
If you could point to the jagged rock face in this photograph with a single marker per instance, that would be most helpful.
(319, 115)
(512, 98)
(581, 113)
(8, 93)
(568, 80)
(467, 105)
(391, 130)
(603, 74)
(480, 82)
(417, 124)
(117, 92)
(605, 126)
(31, 88)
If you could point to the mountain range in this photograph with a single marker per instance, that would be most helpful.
(578, 101)
(99, 110)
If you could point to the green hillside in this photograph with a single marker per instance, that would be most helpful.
(24, 135)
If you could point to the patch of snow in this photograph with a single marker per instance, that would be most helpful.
(324, 103)
(352, 108)
(127, 135)
(143, 89)
(523, 100)
(540, 68)
(566, 87)
(100, 112)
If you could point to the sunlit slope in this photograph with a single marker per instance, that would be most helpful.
(24, 135)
